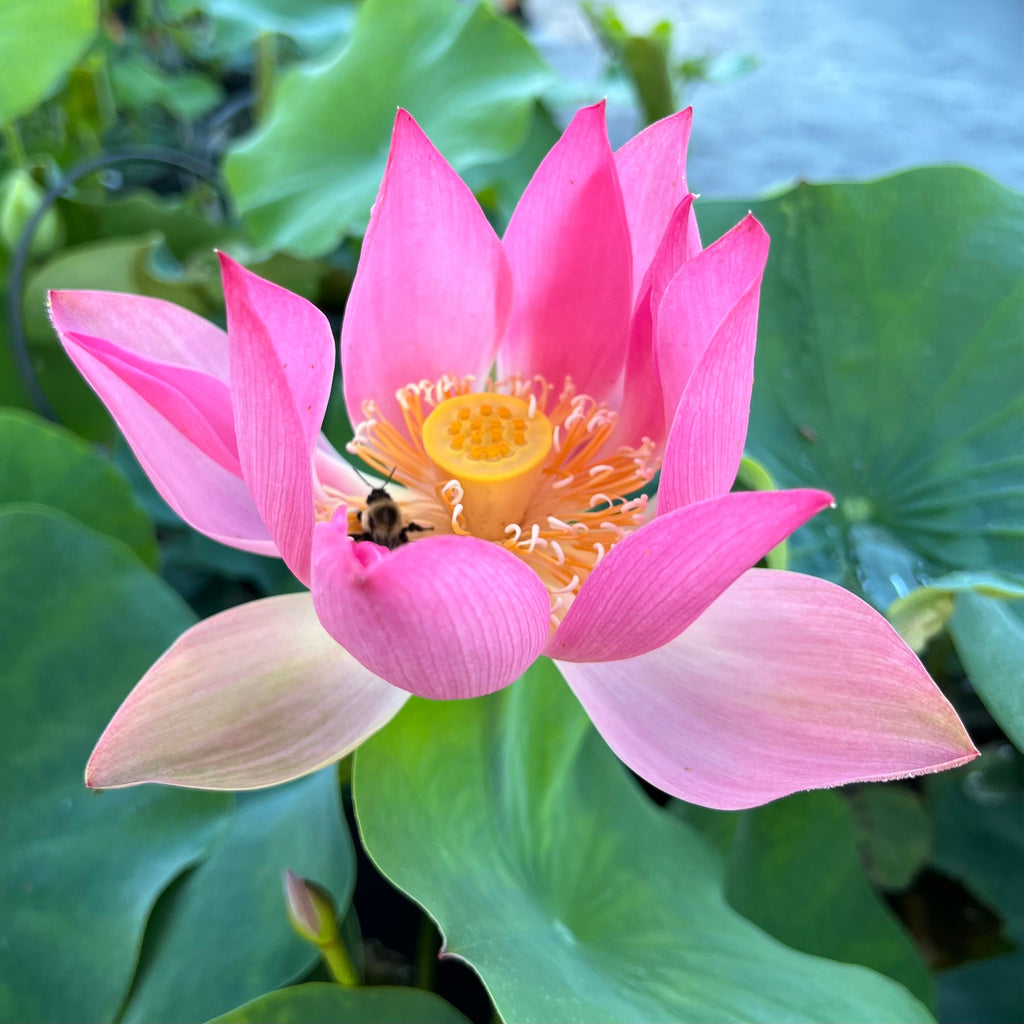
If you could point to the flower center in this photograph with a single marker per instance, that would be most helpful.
(495, 446)
(517, 462)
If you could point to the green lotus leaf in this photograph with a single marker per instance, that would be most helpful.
(572, 895)
(309, 174)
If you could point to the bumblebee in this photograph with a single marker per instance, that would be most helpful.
(382, 521)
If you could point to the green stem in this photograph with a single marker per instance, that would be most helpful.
(12, 143)
(266, 67)
(340, 965)
(426, 954)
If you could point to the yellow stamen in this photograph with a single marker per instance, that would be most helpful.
(497, 462)
(517, 462)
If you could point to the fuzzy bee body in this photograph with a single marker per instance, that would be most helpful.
(382, 521)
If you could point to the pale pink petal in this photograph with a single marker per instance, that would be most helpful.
(170, 414)
(432, 292)
(151, 327)
(331, 470)
(443, 617)
(705, 444)
(641, 410)
(656, 581)
(652, 174)
(785, 683)
(568, 245)
(697, 300)
(282, 366)
(254, 696)
(197, 404)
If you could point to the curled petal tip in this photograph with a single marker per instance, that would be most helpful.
(251, 697)
(752, 224)
(785, 683)
(106, 767)
(234, 275)
(681, 120)
(404, 121)
(97, 777)
(229, 266)
(593, 115)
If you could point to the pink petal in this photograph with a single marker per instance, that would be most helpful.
(151, 327)
(697, 300)
(444, 617)
(282, 366)
(433, 289)
(254, 696)
(679, 245)
(658, 580)
(652, 174)
(641, 411)
(705, 444)
(568, 245)
(785, 683)
(161, 372)
(195, 403)
(331, 470)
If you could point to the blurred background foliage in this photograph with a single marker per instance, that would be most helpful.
(138, 137)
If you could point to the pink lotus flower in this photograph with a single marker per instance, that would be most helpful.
(523, 391)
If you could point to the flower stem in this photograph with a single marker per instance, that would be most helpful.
(339, 964)
(12, 143)
(266, 67)
(426, 954)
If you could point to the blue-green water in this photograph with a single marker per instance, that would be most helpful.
(844, 88)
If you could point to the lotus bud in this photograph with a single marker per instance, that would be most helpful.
(310, 910)
(19, 198)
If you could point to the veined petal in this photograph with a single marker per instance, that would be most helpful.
(150, 327)
(158, 369)
(658, 580)
(445, 617)
(652, 175)
(195, 403)
(433, 289)
(641, 409)
(785, 683)
(282, 366)
(251, 697)
(679, 245)
(569, 248)
(706, 440)
(697, 300)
